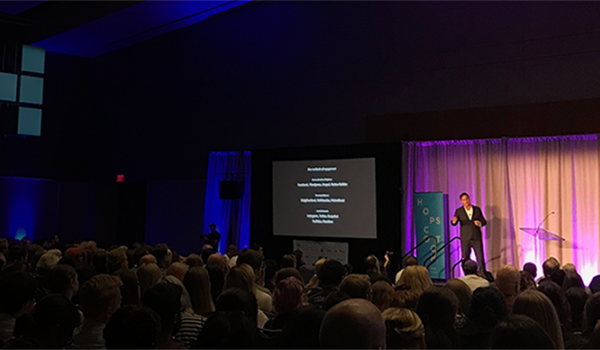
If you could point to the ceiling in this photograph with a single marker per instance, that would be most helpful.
(93, 28)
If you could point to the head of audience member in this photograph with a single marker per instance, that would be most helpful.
(138, 254)
(299, 258)
(17, 293)
(572, 280)
(462, 292)
(148, 275)
(257, 247)
(302, 329)
(372, 264)
(288, 260)
(75, 253)
(130, 290)
(46, 263)
(99, 261)
(410, 261)
(577, 298)
(116, 260)
(383, 295)
(100, 297)
(178, 270)
(232, 250)
(488, 307)
(255, 260)
(240, 276)
(270, 273)
(186, 300)
(194, 260)
(132, 327)
(331, 274)
(148, 259)
(469, 267)
(218, 260)
(416, 279)
(55, 319)
(288, 272)
(557, 277)
(520, 332)
(163, 255)
(16, 253)
(34, 253)
(357, 286)
(527, 281)
(595, 284)
(549, 266)
(569, 267)
(314, 280)
(594, 342)
(333, 299)
(531, 269)
(26, 241)
(165, 300)
(508, 281)
(238, 300)
(62, 279)
(560, 302)
(353, 323)
(217, 280)
(404, 329)
(288, 295)
(437, 307)
(536, 305)
(197, 283)
(207, 250)
(591, 314)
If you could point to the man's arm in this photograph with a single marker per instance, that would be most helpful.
(453, 222)
(481, 218)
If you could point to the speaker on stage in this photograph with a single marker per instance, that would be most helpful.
(230, 189)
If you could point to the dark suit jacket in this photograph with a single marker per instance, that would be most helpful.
(468, 230)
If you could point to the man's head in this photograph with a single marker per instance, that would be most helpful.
(253, 258)
(212, 227)
(469, 267)
(550, 265)
(218, 260)
(410, 261)
(54, 239)
(531, 269)
(465, 199)
(357, 286)
(62, 279)
(148, 259)
(232, 250)
(116, 260)
(100, 297)
(16, 253)
(353, 324)
(508, 281)
(331, 273)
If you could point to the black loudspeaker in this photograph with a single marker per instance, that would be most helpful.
(229, 189)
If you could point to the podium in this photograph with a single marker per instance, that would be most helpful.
(542, 234)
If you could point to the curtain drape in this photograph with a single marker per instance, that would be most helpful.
(232, 217)
(516, 182)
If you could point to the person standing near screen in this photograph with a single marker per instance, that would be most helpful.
(471, 221)
(213, 237)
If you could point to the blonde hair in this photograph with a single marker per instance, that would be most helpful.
(404, 328)
(46, 262)
(462, 292)
(56, 252)
(416, 278)
(314, 280)
(197, 282)
(116, 260)
(96, 294)
(240, 276)
(569, 267)
(178, 270)
(538, 306)
(148, 276)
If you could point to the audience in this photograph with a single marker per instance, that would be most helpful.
(408, 261)
(254, 303)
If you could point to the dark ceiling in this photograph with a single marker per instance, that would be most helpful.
(93, 28)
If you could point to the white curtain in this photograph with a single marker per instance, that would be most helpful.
(517, 182)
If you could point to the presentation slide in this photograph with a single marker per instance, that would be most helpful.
(325, 198)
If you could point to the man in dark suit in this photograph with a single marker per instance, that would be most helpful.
(471, 221)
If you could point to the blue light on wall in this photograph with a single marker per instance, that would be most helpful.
(29, 207)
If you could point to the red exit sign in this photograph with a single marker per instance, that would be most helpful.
(120, 178)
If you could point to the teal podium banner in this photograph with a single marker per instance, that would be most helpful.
(430, 221)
